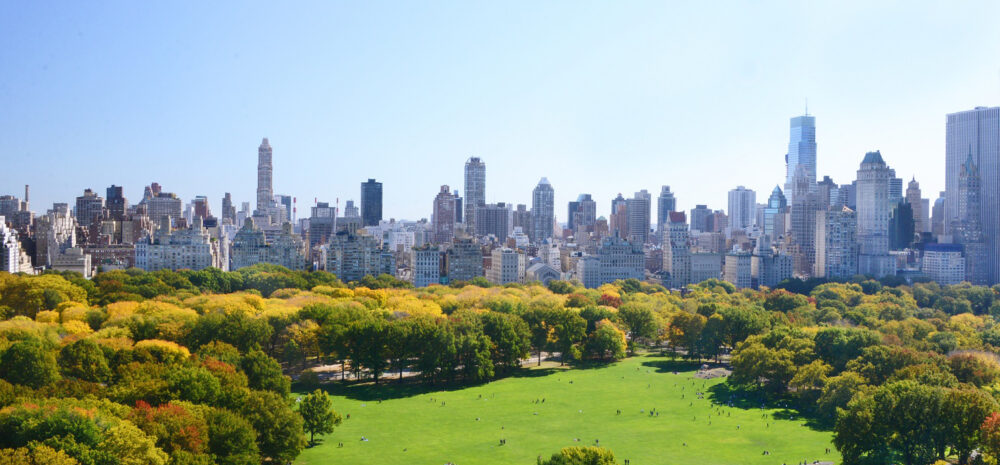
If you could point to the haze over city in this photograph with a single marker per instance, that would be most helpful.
(598, 98)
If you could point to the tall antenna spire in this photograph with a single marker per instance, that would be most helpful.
(807, 106)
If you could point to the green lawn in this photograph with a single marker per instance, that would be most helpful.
(465, 426)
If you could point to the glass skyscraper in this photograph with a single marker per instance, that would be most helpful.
(801, 151)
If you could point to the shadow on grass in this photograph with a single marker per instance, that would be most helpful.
(783, 409)
(670, 366)
(391, 388)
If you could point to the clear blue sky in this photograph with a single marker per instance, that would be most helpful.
(600, 97)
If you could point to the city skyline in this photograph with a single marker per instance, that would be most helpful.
(413, 133)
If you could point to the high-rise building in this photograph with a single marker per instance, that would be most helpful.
(190, 249)
(285, 204)
(464, 260)
(351, 210)
(801, 152)
(352, 256)
(976, 131)
(54, 233)
(252, 246)
(742, 208)
(968, 229)
(665, 204)
(803, 222)
(874, 212)
(201, 207)
(116, 203)
(618, 222)
(159, 204)
(700, 218)
(265, 187)
(459, 207)
(582, 213)
(443, 217)
(676, 251)
(425, 265)
(371, 203)
(89, 208)
(776, 205)
(920, 207)
(836, 243)
(10, 248)
(322, 223)
(521, 219)
(475, 190)
(638, 217)
(228, 209)
(944, 263)
(494, 219)
(616, 259)
(506, 266)
(938, 215)
(542, 211)
(738, 269)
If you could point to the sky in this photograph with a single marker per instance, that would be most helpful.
(599, 97)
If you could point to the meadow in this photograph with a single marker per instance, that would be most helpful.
(546, 408)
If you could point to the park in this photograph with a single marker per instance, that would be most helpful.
(648, 409)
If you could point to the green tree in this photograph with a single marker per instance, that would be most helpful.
(232, 440)
(685, 332)
(641, 322)
(279, 428)
(318, 415)
(606, 342)
(264, 372)
(85, 360)
(510, 338)
(570, 330)
(28, 363)
(368, 346)
(965, 411)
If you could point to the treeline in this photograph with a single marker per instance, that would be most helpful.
(208, 343)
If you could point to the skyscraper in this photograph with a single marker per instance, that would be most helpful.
(89, 207)
(228, 209)
(638, 217)
(371, 202)
(676, 251)
(116, 203)
(976, 131)
(836, 243)
(665, 204)
(920, 205)
(968, 229)
(776, 205)
(742, 207)
(801, 151)
(443, 216)
(803, 219)
(475, 190)
(584, 216)
(873, 213)
(265, 188)
(542, 211)
(701, 217)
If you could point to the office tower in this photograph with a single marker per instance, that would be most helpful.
(10, 249)
(185, 249)
(836, 244)
(351, 210)
(638, 217)
(494, 219)
(619, 217)
(571, 209)
(895, 190)
(201, 208)
(616, 259)
(801, 152)
(322, 223)
(506, 266)
(521, 219)
(767, 268)
(542, 211)
(459, 207)
(371, 203)
(776, 205)
(265, 186)
(54, 233)
(116, 203)
(159, 204)
(464, 260)
(89, 208)
(803, 218)
(228, 209)
(738, 269)
(284, 204)
(475, 190)
(968, 229)
(938, 215)
(700, 218)
(976, 131)
(901, 226)
(443, 216)
(582, 213)
(873, 213)
(425, 265)
(742, 206)
(944, 263)
(665, 204)
(676, 251)
(352, 256)
(919, 205)
(9, 206)
(826, 192)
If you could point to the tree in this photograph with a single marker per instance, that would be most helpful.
(754, 363)
(685, 331)
(264, 372)
(965, 411)
(899, 421)
(742, 322)
(28, 363)
(232, 440)
(368, 345)
(539, 322)
(606, 342)
(973, 368)
(640, 321)
(279, 428)
(570, 330)
(85, 360)
(318, 415)
(581, 456)
(510, 337)
(838, 392)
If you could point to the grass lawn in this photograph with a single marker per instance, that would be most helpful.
(414, 425)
